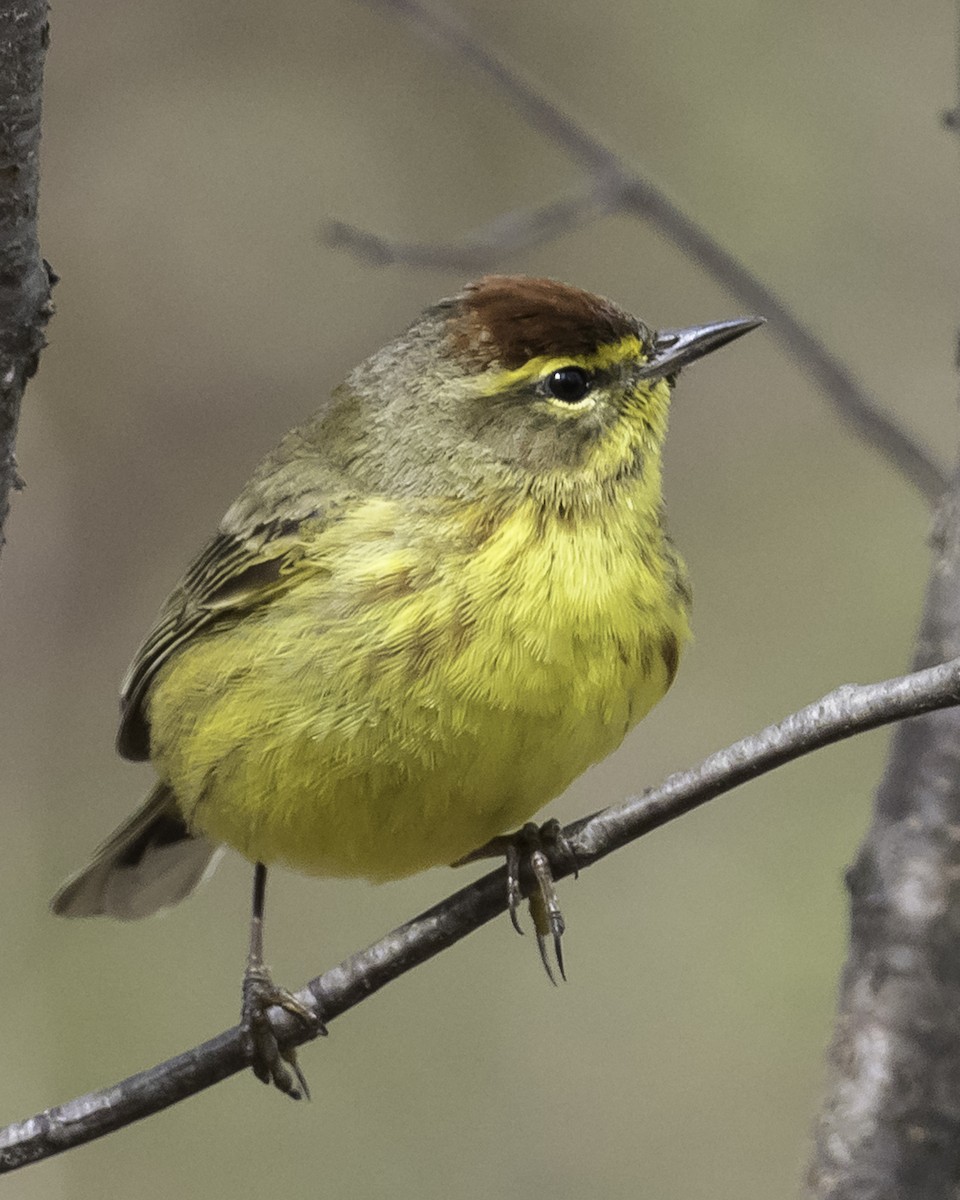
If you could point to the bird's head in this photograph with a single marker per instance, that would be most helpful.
(524, 383)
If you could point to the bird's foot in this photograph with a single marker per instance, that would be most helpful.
(271, 1062)
(533, 848)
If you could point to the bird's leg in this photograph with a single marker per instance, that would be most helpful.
(534, 847)
(271, 1062)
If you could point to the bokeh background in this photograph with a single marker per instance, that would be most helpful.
(190, 153)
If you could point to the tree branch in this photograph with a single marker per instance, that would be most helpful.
(25, 279)
(848, 710)
(615, 188)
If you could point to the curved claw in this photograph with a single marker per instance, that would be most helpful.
(514, 895)
(545, 910)
(272, 1063)
(534, 846)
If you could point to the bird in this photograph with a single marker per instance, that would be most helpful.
(432, 607)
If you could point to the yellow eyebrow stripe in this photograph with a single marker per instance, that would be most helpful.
(604, 357)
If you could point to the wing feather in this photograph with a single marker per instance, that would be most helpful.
(255, 557)
(232, 575)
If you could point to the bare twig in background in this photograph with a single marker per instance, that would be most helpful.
(615, 188)
(25, 279)
(843, 713)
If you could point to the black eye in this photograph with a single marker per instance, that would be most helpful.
(569, 384)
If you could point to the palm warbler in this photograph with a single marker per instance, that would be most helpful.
(430, 609)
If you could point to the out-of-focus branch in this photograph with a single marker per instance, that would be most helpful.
(615, 188)
(25, 279)
(508, 233)
(841, 714)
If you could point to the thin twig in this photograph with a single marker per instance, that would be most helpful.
(615, 188)
(848, 710)
(25, 279)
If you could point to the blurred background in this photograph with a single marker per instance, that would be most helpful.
(190, 153)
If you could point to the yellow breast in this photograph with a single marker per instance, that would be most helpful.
(431, 685)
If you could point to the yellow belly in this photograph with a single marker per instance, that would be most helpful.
(399, 708)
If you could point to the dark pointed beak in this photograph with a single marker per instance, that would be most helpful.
(674, 348)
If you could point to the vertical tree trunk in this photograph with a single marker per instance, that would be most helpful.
(890, 1127)
(25, 279)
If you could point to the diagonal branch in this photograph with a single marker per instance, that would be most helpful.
(841, 714)
(615, 188)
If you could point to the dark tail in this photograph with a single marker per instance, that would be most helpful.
(151, 862)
